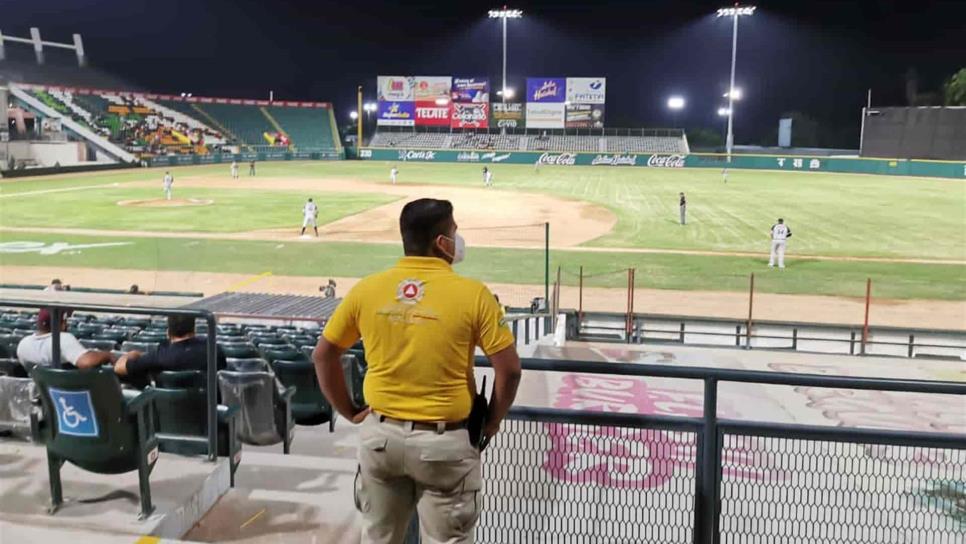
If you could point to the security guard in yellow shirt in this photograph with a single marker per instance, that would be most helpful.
(421, 323)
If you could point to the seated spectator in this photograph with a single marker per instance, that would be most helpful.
(134, 290)
(56, 285)
(37, 349)
(182, 351)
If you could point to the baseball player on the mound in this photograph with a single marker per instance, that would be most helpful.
(167, 183)
(392, 174)
(779, 233)
(310, 215)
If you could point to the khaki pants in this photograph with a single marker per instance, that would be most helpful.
(401, 469)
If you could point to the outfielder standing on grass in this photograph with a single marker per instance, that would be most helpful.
(167, 183)
(234, 169)
(393, 173)
(251, 168)
(310, 215)
(779, 233)
(683, 209)
(487, 177)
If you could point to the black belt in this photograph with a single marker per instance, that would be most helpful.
(439, 426)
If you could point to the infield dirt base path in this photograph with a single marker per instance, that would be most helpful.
(939, 314)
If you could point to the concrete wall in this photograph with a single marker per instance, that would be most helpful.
(48, 153)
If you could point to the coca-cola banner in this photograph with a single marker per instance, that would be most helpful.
(469, 115)
(584, 116)
(546, 89)
(506, 115)
(471, 89)
(431, 87)
(545, 115)
(397, 114)
(431, 114)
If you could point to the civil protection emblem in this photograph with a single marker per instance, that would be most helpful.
(410, 291)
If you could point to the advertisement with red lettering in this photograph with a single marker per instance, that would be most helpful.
(469, 115)
(430, 114)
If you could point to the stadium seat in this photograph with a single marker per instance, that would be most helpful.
(249, 364)
(116, 335)
(88, 330)
(239, 351)
(10, 366)
(16, 405)
(182, 404)
(265, 339)
(143, 322)
(92, 425)
(287, 352)
(266, 412)
(300, 340)
(103, 345)
(309, 405)
(143, 347)
(8, 345)
(149, 336)
(354, 370)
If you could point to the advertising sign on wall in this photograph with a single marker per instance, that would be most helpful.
(396, 114)
(394, 88)
(506, 115)
(586, 90)
(545, 115)
(471, 89)
(431, 114)
(546, 89)
(431, 87)
(463, 115)
(584, 116)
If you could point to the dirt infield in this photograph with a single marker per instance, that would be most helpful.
(805, 308)
(164, 203)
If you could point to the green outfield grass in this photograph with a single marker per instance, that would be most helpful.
(518, 266)
(830, 214)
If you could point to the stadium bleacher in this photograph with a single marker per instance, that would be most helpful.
(521, 142)
(309, 127)
(246, 123)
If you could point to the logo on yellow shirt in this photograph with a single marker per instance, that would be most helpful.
(410, 291)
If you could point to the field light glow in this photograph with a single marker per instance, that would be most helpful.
(506, 13)
(675, 103)
(737, 10)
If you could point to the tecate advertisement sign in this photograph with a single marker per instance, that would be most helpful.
(586, 90)
(471, 89)
(429, 114)
(394, 88)
(431, 87)
(584, 116)
(546, 89)
(396, 114)
(666, 161)
(506, 115)
(469, 115)
(545, 115)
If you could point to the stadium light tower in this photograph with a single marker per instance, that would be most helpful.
(353, 115)
(505, 14)
(733, 94)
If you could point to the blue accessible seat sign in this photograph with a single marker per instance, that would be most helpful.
(75, 412)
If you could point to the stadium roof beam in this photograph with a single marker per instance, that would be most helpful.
(77, 45)
(503, 15)
(733, 94)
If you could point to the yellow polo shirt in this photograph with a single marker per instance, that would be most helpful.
(421, 323)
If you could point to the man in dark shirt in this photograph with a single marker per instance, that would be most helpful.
(182, 351)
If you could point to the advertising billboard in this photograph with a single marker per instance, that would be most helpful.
(394, 88)
(549, 115)
(396, 114)
(430, 114)
(471, 89)
(586, 90)
(431, 87)
(584, 116)
(469, 115)
(546, 89)
(507, 115)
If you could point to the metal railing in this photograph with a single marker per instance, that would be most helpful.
(56, 315)
(529, 328)
(555, 475)
(781, 335)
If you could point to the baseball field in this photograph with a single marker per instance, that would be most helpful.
(907, 234)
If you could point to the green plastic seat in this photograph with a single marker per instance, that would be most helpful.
(143, 347)
(309, 405)
(103, 345)
(265, 406)
(239, 351)
(91, 424)
(12, 367)
(248, 364)
(354, 372)
(287, 352)
(182, 412)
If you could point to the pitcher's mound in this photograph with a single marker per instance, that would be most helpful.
(162, 203)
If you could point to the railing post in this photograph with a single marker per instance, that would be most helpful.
(852, 343)
(526, 331)
(737, 336)
(708, 470)
(751, 302)
(912, 344)
(580, 298)
(795, 339)
(681, 334)
(865, 325)
(516, 327)
(55, 318)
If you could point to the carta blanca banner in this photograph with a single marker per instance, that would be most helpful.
(507, 115)
(471, 89)
(546, 89)
(396, 114)
(433, 88)
(394, 88)
(469, 115)
(584, 116)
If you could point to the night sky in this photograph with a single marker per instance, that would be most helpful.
(816, 57)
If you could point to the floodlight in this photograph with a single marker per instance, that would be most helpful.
(736, 92)
(353, 115)
(736, 11)
(505, 13)
(675, 103)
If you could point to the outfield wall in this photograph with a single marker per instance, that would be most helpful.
(895, 167)
(217, 158)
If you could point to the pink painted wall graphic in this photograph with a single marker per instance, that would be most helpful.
(637, 458)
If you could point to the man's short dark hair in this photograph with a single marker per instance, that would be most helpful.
(421, 221)
(181, 325)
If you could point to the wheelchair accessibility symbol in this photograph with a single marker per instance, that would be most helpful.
(75, 412)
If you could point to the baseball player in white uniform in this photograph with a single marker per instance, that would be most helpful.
(168, 182)
(487, 177)
(393, 173)
(779, 234)
(234, 169)
(310, 214)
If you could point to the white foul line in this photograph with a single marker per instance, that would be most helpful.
(62, 190)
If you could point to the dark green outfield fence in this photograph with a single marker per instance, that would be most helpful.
(895, 167)
(216, 158)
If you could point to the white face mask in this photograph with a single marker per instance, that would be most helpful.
(460, 250)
